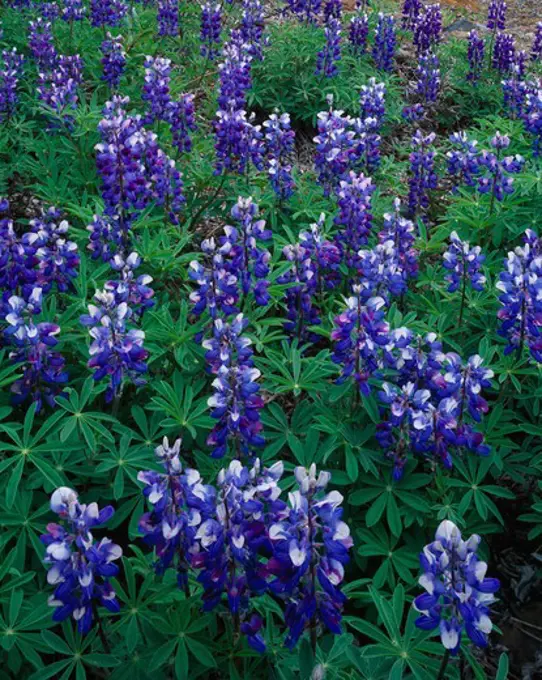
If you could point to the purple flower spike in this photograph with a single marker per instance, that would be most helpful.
(10, 74)
(464, 160)
(179, 503)
(504, 52)
(536, 50)
(458, 593)
(411, 13)
(520, 285)
(428, 29)
(355, 217)
(385, 43)
(80, 567)
(475, 55)
(358, 33)
(156, 88)
(422, 173)
(235, 403)
(326, 62)
(279, 146)
(496, 179)
(252, 28)
(211, 27)
(359, 334)
(464, 263)
(168, 18)
(428, 73)
(113, 61)
(107, 12)
(40, 43)
(181, 117)
(496, 15)
(310, 548)
(73, 10)
(116, 352)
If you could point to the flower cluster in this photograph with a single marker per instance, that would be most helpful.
(246, 260)
(235, 403)
(252, 27)
(302, 281)
(236, 266)
(496, 15)
(324, 254)
(475, 56)
(354, 200)
(458, 593)
(156, 88)
(43, 374)
(333, 9)
(211, 27)
(520, 285)
(107, 12)
(536, 50)
(73, 10)
(496, 179)
(359, 334)
(238, 140)
(326, 61)
(57, 88)
(385, 42)
(49, 11)
(182, 121)
(380, 272)
(40, 44)
(307, 11)
(10, 74)
(113, 61)
(464, 264)
(402, 233)
(463, 160)
(372, 101)
(410, 14)
(504, 52)
(310, 546)
(335, 147)
(428, 28)
(279, 146)
(179, 503)
(80, 567)
(168, 17)
(116, 352)
(428, 77)
(358, 33)
(431, 402)
(422, 173)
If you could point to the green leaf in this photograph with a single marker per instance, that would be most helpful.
(14, 480)
(201, 652)
(181, 662)
(56, 643)
(502, 670)
(374, 513)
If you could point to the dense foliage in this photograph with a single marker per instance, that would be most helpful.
(270, 338)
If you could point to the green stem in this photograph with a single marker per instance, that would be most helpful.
(443, 665)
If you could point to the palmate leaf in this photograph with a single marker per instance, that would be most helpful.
(182, 405)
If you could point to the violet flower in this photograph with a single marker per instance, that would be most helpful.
(458, 593)
(80, 568)
(235, 403)
(326, 61)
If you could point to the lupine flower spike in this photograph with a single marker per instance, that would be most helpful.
(464, 263)
(310, 548)
(80, 567)
(458, 594)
